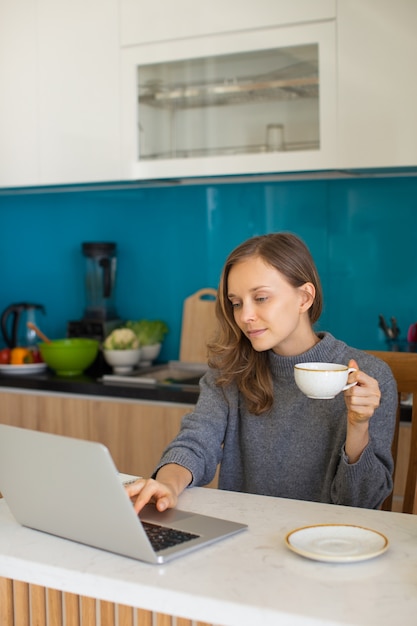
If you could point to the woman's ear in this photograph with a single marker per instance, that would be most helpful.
(308, 293)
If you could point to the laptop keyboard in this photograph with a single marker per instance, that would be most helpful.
(162, 537)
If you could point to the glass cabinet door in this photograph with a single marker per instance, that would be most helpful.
(239, 112)
(248, 102)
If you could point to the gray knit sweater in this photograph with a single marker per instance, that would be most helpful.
(297, 449)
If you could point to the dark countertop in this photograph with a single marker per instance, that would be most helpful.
(90, 384)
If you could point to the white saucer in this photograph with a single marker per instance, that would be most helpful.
(25, 368)
(337, 543)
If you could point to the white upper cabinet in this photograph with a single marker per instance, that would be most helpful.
(19, 137)
(144, 21)
(78, 91)
(60, 100)
(377, 86)
(243, 102)
(98, 90)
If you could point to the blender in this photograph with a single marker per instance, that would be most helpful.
(100, 315)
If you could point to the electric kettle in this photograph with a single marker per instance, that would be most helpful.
(14, 321)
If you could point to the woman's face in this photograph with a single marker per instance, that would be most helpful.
(269, 311)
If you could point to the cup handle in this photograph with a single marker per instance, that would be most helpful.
(351, 369)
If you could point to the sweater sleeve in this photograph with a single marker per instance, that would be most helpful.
(198, 445)
(368, 482)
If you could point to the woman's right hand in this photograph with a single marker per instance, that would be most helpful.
(172, 479)
(146, 490)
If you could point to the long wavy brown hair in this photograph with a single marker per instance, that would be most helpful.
(231, 351)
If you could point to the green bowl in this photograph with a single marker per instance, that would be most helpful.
(69, 357)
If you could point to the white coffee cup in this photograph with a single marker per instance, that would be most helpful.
(322, 381)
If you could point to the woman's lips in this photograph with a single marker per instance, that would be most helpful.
(253, 334)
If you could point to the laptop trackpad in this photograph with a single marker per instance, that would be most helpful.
(150, 513)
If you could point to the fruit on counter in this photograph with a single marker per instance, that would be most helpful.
(121, 339)
(20, 356)
(412, 333)
(36, 355)
(5, 356)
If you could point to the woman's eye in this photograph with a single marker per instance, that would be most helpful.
(261, 299)
(235, 305)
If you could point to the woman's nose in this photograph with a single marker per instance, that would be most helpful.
(247, 313)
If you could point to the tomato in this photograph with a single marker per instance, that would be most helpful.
(36, 355)
(5, 356)
(18, 355)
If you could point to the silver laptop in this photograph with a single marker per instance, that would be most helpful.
(71, 488)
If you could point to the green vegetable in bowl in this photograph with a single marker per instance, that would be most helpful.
(148, 332)
(121, 339)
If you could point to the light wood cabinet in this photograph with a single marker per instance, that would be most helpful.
(135, 432)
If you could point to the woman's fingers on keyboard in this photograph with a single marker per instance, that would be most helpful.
(144, 490)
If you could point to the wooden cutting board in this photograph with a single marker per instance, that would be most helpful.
(198, 325)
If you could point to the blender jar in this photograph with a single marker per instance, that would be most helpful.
(100, 280)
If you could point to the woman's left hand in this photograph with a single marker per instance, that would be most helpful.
(363, 398)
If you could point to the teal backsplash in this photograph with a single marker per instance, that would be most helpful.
(172, 241)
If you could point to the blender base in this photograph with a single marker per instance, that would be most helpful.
(92, 328)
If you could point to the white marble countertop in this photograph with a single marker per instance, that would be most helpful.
(248, 579)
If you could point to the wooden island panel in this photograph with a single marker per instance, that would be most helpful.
(25, 604)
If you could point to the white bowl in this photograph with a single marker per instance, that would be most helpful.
(149, 354)
(122, 361)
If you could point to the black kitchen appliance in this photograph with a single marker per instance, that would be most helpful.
(14, 326)
(100, 315)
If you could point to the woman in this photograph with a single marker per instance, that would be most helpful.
(252, 419)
